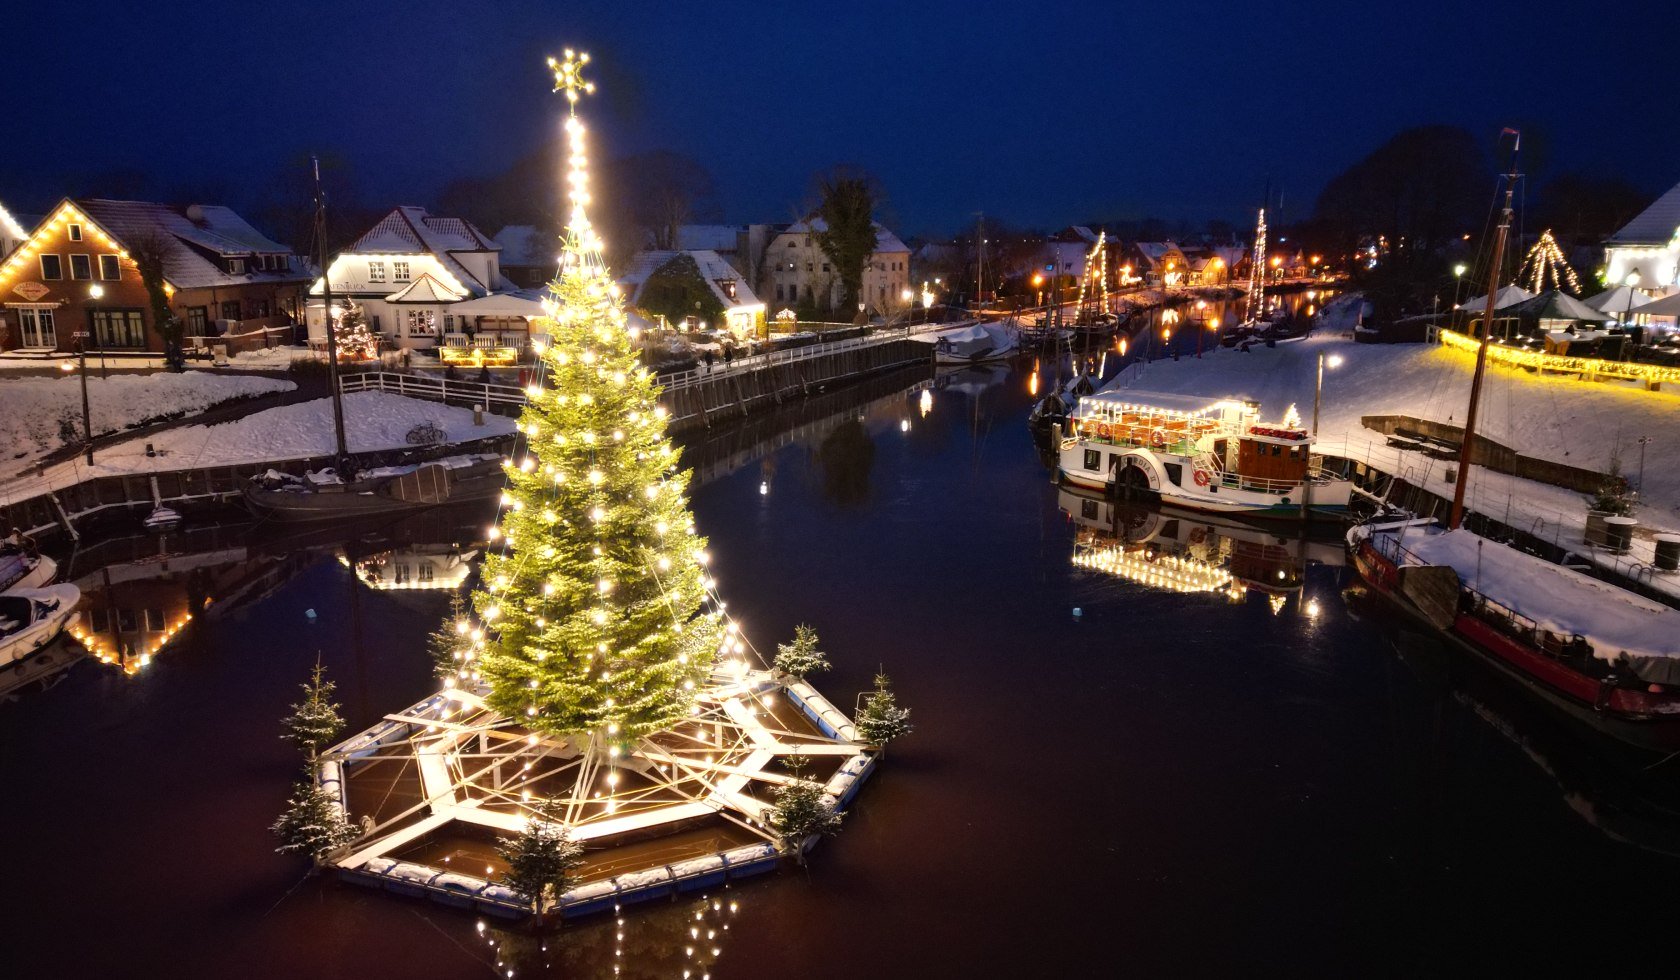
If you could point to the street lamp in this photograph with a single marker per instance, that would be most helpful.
(909, 299)
(1631, 281)
(1333, 361)
(1458, 273)
(1038, 284)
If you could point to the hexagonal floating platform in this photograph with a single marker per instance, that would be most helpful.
(435, 786)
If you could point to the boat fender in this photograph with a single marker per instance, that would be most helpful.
(1158, 438)
(1202, 479)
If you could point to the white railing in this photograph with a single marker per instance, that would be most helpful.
(792, 355)
(435, 389)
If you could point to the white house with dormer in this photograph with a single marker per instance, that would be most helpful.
(423, 279)
(796, 270)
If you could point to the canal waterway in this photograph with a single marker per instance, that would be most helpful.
(1146, 744)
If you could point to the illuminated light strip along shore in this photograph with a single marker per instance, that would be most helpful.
(1591, 366)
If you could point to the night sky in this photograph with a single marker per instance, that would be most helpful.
(1039, 113)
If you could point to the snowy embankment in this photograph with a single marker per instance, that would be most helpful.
(36, 414)
(373, 421)
(1588, 425)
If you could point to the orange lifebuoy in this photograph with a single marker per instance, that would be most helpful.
(1103, 429)
(1202, 478)
(1158, 438)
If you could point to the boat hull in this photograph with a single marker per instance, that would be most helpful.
(1148, 473)
(44, 627)
(1639, 718)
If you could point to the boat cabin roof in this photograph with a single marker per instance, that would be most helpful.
(1159, 403)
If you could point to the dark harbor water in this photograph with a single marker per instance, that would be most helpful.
(1257, 777)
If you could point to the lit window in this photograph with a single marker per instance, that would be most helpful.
(36, 323)
(376, 272)
(399, 271)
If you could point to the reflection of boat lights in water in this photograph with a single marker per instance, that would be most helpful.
(683, 941)
(1032, 383)
(904, 425)
(1174, 573)
(1277, 599)
(1312, 608)
(763, 489)
(926, 403)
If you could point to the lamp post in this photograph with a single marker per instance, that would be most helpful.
(1333, 361)
(1038, 284)
(1458, 275)
(1630, 282)
(909, 299)
(87, 416)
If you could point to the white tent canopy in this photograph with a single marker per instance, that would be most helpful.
(1616, 301)
(1509, 296)
(1667, 306)
(500, 304)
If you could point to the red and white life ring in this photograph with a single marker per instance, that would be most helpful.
(1158, 438)
(1202, 478)
(1103, 430)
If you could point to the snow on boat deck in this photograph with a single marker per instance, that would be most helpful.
(1619, 624)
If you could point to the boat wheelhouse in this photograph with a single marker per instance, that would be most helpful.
(1201, 453)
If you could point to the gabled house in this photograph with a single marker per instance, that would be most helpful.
(677, 284)
(1648, 245)
(530, 256)
(410, 270)
(12, 232)
(1159, 263)
(796, 270)
(76, 273)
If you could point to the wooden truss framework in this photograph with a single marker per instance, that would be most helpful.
(478, 767)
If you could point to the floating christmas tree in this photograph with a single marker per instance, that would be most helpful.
(596, 606)
(1545, 264)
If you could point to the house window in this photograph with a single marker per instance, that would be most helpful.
(81, 266)
(118, 328)
(52, 267)
(259, 308)
(75, 233)
(376, 272)
(825, 266)
(109, 268)
(400, 573)
(425, 571)
(99, 619)
(197, 319)
(125, 621)
(1093, 459)
(230, 310)
(154, 620)
(421, 323)
(399, 271)
(448, 321)
(236, 267)
(374, 322)
(36, 327)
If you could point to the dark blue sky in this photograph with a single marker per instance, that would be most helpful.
(1040, 113)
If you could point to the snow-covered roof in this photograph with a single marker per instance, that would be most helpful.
(885, 241)
(1656, 225)
(1079, 233)
(410, 230)
(717, 238)
(1157, 252)
(10, 227)
(528, 245)
(426, 289)
(197, 240)
(713, 268)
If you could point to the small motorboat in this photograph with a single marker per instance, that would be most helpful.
(324, 495)
(21, 570)
(31, 618)
(162, 519)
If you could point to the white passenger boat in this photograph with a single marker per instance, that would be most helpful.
(1200, 453)
(31, 618)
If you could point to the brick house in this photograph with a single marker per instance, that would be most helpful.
(75, 273)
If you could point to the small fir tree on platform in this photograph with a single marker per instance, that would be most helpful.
(801, 657)
(597, 600)
(315, 722)
(881, 720)
(452, 645)
(799, 810)
(312, 824)
(542, 857)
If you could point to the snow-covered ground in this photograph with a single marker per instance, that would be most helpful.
(374, 420)
(1551, 417)
(33, 410)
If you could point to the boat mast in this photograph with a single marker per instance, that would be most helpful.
(1466, 448)
(980, 257)
(326, 312)
(1257, 270)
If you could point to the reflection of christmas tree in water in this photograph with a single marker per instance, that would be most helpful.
(681, 941)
